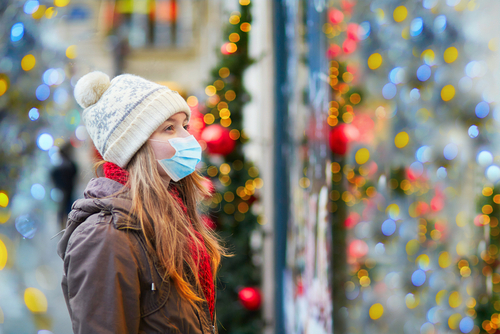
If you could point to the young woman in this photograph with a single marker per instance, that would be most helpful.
(137, 255)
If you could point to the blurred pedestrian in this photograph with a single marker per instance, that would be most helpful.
(138, 257)
(64, 176)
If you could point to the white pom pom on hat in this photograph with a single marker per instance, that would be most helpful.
(90, 87)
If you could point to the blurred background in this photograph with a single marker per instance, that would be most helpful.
(352, 147)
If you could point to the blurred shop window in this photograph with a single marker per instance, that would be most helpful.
(150, 23)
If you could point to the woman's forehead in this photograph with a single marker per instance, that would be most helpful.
(178, 117)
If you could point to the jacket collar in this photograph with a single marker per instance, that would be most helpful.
(101, 195)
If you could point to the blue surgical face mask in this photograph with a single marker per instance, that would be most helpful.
(186, 157)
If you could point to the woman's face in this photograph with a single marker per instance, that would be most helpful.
(174, 127)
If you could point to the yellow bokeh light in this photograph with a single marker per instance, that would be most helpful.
(3, 86)
(392, 210)
(454, 320)
(225, 168)
(209, 118)
(38, 14)
(428, 56)
(234, 134)
(4, 199)
(3, 255)
(412, 300)
(224, 113)
(230, 95)
(455, 300)
(400, 13)
(493, 44)
(35, 300)
(192, 101)
(362, 156)
(4, 216)
(225, 122)
(50, 12)
(440, 296)
(210, 90)
(234, 37)
(461, 219)
(231, 47)
(224, 72)
(71, 52)
(245, 27)
(406, 33)
(28, 62)
(412, 247)
(450, 55)
(447, 93)
(374, 61)
(376, 311)
(423, 261)
(61, 3)
(234, 19)
(444, 259)
(401, 139)
(244, 2)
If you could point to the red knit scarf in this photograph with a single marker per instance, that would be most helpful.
(205, 276)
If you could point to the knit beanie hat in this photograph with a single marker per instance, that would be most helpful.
(120, 115)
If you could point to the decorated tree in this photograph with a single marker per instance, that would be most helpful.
(218, 125)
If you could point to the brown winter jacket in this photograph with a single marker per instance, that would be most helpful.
(110, 282)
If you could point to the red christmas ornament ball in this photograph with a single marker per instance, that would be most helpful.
(250, 298)
(218, 140)
(338, 139)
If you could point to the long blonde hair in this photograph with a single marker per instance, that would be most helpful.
(168, 233)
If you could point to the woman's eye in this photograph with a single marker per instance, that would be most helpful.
(186, 127)
(170, 128)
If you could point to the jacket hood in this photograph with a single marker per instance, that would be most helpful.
(100, 196)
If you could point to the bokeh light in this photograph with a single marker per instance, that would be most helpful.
(17, 32)
(473, 131)
(28, 62)
(25, 224)
(418, 277)
(482, 109)
(450, 151)
(389, 91)
(43, 92)
(374, 61)
(45, 141)
(35, 300)
(416, 26)
(376, 311)
(388, 227)
(33, 114)
(31, 6)
(402, 139)
(424, 73)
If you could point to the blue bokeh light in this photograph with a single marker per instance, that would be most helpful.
(33, 114)
(17, 32)
(397, 75)
(429, 4)
(482, 109)
(45, 141)
(37, 191)
(389, 91)
(42, 92)
(442, 173)
(388, 227)
(423, 154)
(364, 30)
(418, 277)
(60, 95)
(416, 26)
(26, 225)
(450, 151)
(484, 158)
(493, 173)
(439, 24)
(31, 6)
(466, 325)
(473, 131)
(432, 314)
(424, 73)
